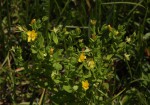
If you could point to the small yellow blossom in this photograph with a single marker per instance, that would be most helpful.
(33, 21)
(85, 85)
(91, 64)
(127, 56)
(93, 22)
(110, 28)
(82, 57)
(51, 51)
(31, 35)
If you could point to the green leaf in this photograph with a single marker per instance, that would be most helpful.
(125, 99)
(33, 51)
(67, 88)
(78, 30)
(146, 36)
(46, 84)
(55, 39)
(106, 86)
(73, 60)
(38, 24)
(75, 88)
(148, 20)
(57, 81)
(104, 27)
(53, 74)
(88, 75)
(45, 18)
(49, 36)
(57, 66)
(41, 42)
(40, 55)
(55, 89)
(122, 44)
(109, 56)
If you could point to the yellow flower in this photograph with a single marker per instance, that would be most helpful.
(33, 21)
(91, 64)
(109, 27)
(31, 35)
(85, 85)
(82, 57)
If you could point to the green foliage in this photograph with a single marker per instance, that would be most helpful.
(74, 52)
